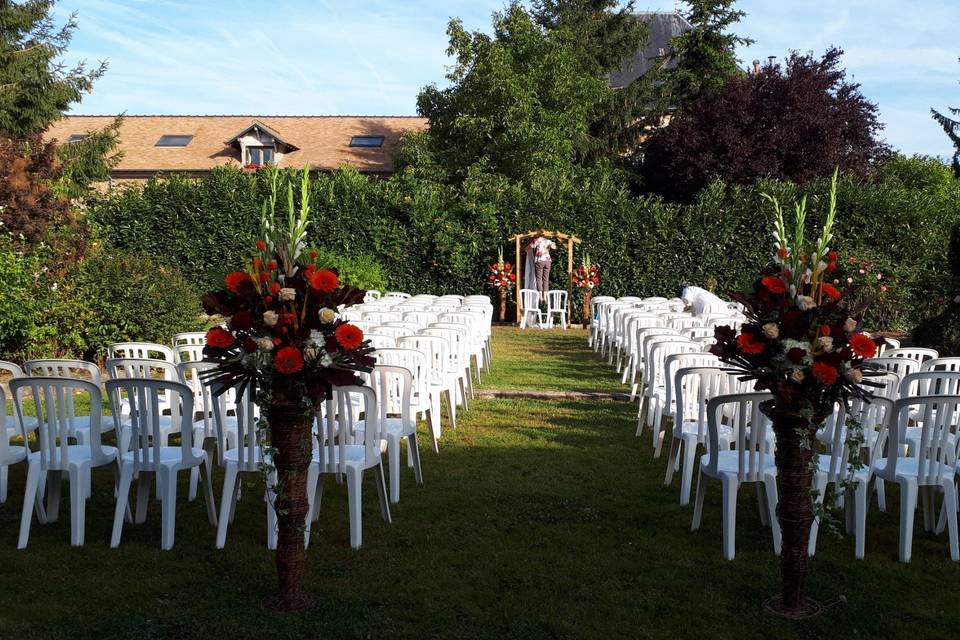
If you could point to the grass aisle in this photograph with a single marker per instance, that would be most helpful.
(538, 520)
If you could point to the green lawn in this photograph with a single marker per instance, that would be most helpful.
(538, 520)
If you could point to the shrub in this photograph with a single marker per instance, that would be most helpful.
(362, 272)
(20, 306)
(127, 296)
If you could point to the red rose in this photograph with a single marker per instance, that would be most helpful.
(261, 245)
(238, 280)
(824, 373)
(257, 264)
(748, 344)
(274, 288)
(276, 342)
(824, 330)
(349, 336)
(220, 338)
(863, 345)
(325, 281)
(313, 255)
(264, 276)
(774, 284)
(272, 265)
(288, 360)
(249, 345)
(796, 355)
(830, 291)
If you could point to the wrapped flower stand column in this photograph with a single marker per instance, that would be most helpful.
(503, 305)
(587, 295)
(291, 437)
(795, 511)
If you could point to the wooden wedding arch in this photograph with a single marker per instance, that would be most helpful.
(563, 238)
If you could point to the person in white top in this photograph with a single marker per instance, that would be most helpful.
(542, 247)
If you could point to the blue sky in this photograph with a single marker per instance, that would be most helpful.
(371, 57)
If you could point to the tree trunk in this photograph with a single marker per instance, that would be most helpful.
(795, 511)
(587, 295)
(290, 436)
(503, 304)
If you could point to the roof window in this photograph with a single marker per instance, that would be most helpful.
(366, 141)
(174, 141)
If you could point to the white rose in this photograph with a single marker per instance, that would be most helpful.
(825, 343)
(327, 315)
(797, 376)
(287, 294)
(264, 344)
(850, 325)
(805, 303)
(854, 375)
(771, 330)
(270, 318)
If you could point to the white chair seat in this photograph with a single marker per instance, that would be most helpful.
(79, 454)
(909, 468)
(233, 455)
(355, 455)
(915, 433)
(169, 456)
(727, 463)
(14, 455)
(692, 428)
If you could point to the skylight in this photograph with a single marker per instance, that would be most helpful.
(366, 141)
(77, 137)
(174, 141)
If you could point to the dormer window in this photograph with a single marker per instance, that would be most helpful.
(260, 156)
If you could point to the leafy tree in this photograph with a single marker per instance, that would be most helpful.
(89, 160)
(604, 34)
(706, 54)
(519, 101)
(36, 87)
(952, 128)
(795, 123)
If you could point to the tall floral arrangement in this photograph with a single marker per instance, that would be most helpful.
(284, 336)
(586, 278)
(502, 277)
(804, 344)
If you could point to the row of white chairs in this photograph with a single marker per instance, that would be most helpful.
(913, 419)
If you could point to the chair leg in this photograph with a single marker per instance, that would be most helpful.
(820, 485)
(54, 482)
(122, 509)
(78, 507)
(271, 497)
(29, 498)
(860, 504)
(143, 497)
(4, 476)
(354, 488)
(226, 500)
(434, 427)
(207, 472)
(313, 477)
(194, 484)
(881, 496)
(393, 455)
(463, 393)
(382, 494)
(770, 484)
(698, 502)
(686, 471)
(452, 406)
(168, 507)
(908, 506)
(950, 505)
(318, 497)
(671, 461)
(413, 449)
(729, 487)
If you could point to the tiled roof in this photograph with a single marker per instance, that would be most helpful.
(323, 141)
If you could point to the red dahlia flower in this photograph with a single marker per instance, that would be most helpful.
(830, 291)
(863, 345)
(748, 344)
(220, 338)
(325, 281)
(824, 373)
(288, 360)
(236, 280)
(349, 336)
(774, 284)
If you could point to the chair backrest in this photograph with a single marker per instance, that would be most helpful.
(379, 317)
(749, 425)
(871, 416)
(204, 401)
(457, 347)
(392, 331)
(52, 399)
(141, 351)
(900, 366)
(658, 349)
(420, 318)
(189, 352)
(885, 385)
(920, 354)
(8, 371)
(73, 369)
(147, 398)
(380, 340)
(930, 383)
(697, 332)
(393, 386)
(887, 344)
(694, 386)
(685, 322)
(412, 360)
(248, 423)
(529, 299)
(436, 351)
(941, 364)
(337, 428)
(556, 299)
(413, 327)
(371, 295)
(396, 295)
(192, 338)
(937, 414)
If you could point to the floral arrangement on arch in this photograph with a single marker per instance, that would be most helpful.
(282, 328)
(587, 275)
(502, 275)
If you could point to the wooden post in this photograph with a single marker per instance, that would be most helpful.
(519, 272)
(570, 278)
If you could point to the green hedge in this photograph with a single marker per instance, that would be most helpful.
(431, 237)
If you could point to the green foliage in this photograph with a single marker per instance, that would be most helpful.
(362, 272)
(35, 86)
(20, 306)
(90, 160)
(128, 296)
(951, 126)
(706, 54)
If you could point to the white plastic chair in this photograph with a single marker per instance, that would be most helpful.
(458, 361)
(141, 351)
(396, 295)
(926, 471)
(344, 451)
(9, 454)
(371, 295)
(76, 370)
(439, 381)
(380, 340)
(149, 457)
(748, 463)
(55, 456)
(131, 368)
(557, 306)
(205, 430)
(919, 354)
(941, 364)
(530, 308)
(392, 331)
